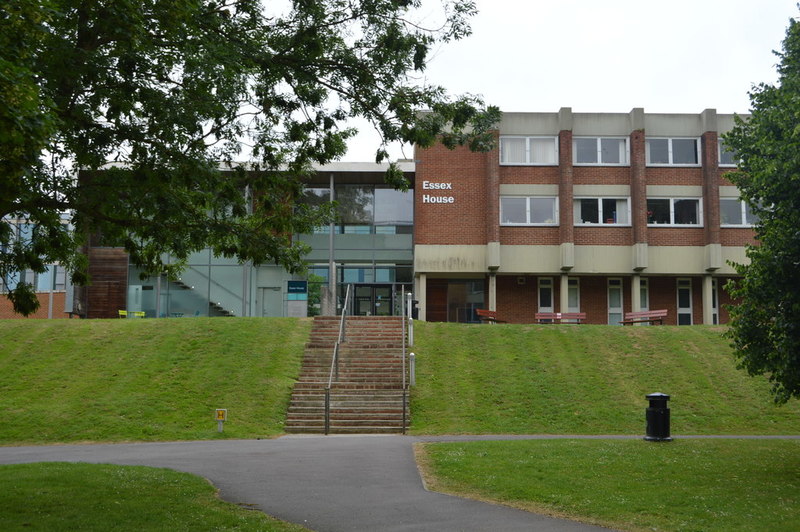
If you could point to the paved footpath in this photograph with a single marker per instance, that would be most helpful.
(333, 483)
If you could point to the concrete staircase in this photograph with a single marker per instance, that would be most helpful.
(368, 395)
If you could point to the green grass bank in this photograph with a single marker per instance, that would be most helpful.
(587, 379)
(146, 380)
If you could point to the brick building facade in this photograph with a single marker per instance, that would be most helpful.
(601, 213)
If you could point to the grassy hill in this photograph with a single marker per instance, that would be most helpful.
(585, 379)
(149, 380)
(140, 380)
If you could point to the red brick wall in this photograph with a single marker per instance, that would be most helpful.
(462, 222)
(59, 299)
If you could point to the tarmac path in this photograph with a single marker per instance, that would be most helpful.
(326, 483)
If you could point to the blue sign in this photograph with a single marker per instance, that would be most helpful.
(298, 287)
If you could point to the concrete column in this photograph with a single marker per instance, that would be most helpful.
(563, 295)
(421, 290)
(636, 287)
(493, 291)
(708, 300)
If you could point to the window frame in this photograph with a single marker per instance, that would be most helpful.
(742, 212)
(720, 151)
(527, 161)
(670, 151)
(672, 201)
(599, 150)
(600, 223)
(528, 223)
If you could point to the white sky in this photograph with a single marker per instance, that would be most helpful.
(678, 56)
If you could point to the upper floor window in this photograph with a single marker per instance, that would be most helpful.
(735, 212)
(674, 211)
(529, 150)
(673, 151)
(534, 210)
(609, 211)
(600, 151)
(726, 156)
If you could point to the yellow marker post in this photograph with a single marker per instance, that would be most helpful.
(222, 417)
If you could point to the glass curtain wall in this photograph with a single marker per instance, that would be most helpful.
(209, 286)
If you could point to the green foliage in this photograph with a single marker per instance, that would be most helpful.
(632, 485)
(587, 379)
(175, 92)
(147, 380)
(62, 496)
(765, 325)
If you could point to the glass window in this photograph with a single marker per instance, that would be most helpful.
(585, 151)
(528, 211)
(44, 280)
(573, 295)
(735, 212)
(726, 156)
(513, 210)
(355, 203)
(730, 211)
(394, 207)
(684, 151)
(657, 151)
(673, 211)
(611, 211)
(598, 150)
(673, 151)
(686, 211)
(543, 210)
(528, 150)
(513, 150)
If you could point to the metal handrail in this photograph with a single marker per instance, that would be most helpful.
(334, 373)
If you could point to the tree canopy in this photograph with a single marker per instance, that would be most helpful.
(176, 95)
(765, 325)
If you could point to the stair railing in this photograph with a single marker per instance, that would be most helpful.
(334, 373)
(405, 385)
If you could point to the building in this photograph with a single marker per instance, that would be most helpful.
(603, 213)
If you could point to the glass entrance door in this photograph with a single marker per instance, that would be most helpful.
(373, 300)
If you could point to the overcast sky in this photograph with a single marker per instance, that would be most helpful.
(680, 56)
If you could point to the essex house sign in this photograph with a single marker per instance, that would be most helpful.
(432, 185)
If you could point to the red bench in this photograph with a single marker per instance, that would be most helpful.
(560, 317)
(645, 316)
(489, 316)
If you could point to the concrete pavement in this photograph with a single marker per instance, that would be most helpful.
(333, 483)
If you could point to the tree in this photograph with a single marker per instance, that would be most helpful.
(174, 93)
(765, 322)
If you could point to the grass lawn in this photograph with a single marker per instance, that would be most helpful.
(586, 379)
(146, 380)
(62, 496)
(684, 485)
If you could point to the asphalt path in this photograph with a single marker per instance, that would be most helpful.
(326, 483)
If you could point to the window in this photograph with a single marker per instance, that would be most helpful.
(533, 210)
(673, 152)
(736, 213)
(529, 150)
(615, 309)
(573, 295)
(673, 211)
(726, 156)
(600, 150)
(684, 301)
(545, 294)
(610, 211)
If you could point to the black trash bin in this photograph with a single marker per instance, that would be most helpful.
(657, 416)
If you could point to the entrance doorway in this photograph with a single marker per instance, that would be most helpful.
(376, 300)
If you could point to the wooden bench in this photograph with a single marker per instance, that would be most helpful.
(645, 316)
(560, 317)
(488, 316)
